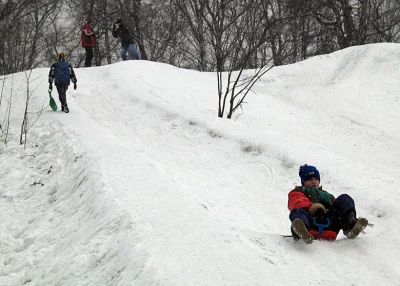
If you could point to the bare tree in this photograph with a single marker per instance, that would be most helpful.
(235, 40)
(8, 113)
(237, 89)
(385, 20)
(3, 82)
(196, 34)
(162, 33)
(22, 25)
(25, 126)
(194, 12)
(353, 22)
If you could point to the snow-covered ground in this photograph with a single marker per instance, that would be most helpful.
(142, 184)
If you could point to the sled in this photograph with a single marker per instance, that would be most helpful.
(52, 103)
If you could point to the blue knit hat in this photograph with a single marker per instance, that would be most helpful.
(307, 172)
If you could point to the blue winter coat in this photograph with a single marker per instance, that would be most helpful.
(62, 73)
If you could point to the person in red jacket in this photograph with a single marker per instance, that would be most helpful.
(88, 41)
(317, 214)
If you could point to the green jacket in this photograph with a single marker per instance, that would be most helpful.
(303, 198)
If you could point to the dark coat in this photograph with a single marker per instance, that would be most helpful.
(62, 73)
(121, 32)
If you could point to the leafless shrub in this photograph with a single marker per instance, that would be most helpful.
(25, 126)
(6, 122)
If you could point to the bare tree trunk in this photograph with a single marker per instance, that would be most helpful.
(8, 112)
(1, 98)
(194, 13)
(138, 32)
(25, 127)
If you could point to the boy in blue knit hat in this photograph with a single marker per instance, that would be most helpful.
(317, 214)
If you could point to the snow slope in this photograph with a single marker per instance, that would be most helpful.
(142, 184)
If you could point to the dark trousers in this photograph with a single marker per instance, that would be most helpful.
(89, 56)
(62, 93)
(337, 214)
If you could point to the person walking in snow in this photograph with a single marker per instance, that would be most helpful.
(88, 42)
(62, 73)
(121, 32)
(317, 214)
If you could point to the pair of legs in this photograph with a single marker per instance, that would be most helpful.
(89, 56)
(62, 95)
(339, 216)
(132, 52)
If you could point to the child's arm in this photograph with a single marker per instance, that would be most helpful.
(298, 200)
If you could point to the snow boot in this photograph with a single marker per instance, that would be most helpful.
(301, 230)
(65, 108)
(358, 227)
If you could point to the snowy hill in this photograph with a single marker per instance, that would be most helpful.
(142, 184)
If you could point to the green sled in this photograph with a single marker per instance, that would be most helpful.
(53, 104)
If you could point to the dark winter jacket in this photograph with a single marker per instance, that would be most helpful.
(62, 72)
(303, 198)
(121, 32)
(88, 37)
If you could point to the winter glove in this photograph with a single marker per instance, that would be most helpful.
(50, 86)
(317, 210)
(75, 86)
